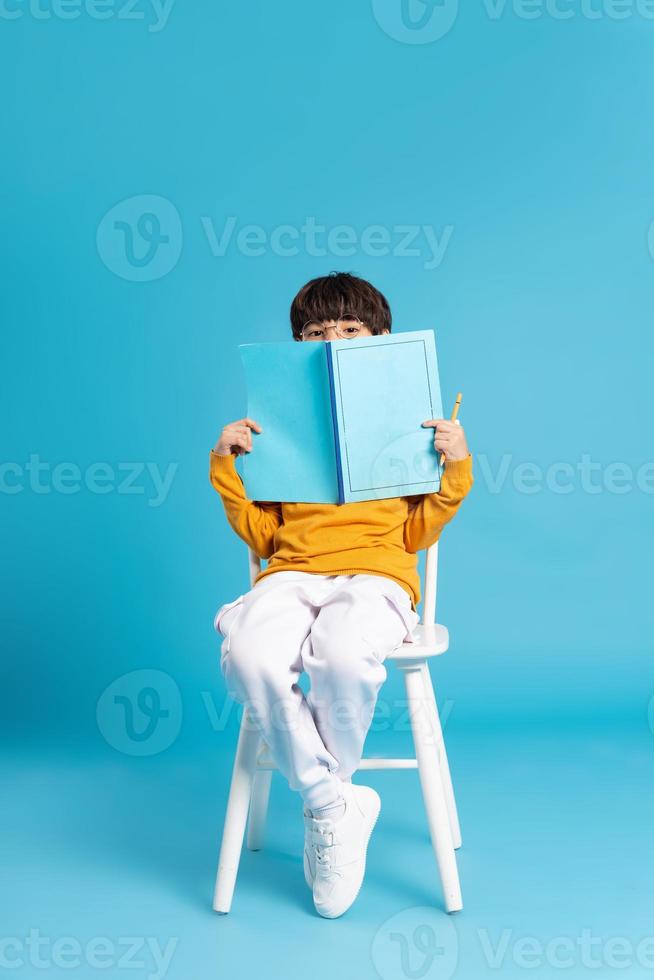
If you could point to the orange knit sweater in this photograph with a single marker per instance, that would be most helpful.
(374, 537)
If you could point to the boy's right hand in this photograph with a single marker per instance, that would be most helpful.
(236, 438)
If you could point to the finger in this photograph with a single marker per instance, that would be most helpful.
(444, 424)
(235, 432)
(243, 430)
(236, 427)
(246, 434)
(252, 424)
(245, 424)
(240, 441)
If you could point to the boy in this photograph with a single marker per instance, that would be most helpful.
(338, 595)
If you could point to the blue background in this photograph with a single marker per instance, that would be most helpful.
(531, 140)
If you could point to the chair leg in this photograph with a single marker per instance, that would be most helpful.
(258, 809)
(236, 816)
(446, 777)
(432, 788)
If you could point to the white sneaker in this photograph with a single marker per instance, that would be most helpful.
(335, 850)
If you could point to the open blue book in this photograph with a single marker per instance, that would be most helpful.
(342, 420)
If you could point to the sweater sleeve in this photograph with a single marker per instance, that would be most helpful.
(254, 522)
(430, 512)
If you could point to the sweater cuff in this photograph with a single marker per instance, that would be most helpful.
(223, 472)
(217, 458)
(458, 472)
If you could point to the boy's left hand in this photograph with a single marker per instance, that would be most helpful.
(449, 438)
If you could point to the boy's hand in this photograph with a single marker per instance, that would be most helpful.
(236, 438)
(449, 438)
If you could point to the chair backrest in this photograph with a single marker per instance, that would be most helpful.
(429, 584)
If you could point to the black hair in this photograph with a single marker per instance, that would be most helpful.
(328, 297)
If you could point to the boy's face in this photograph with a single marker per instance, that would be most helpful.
(347, 328)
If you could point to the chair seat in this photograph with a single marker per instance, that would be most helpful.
(429, 640)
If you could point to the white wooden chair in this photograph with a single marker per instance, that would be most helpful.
(252, 772)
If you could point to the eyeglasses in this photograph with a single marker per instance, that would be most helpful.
(347, 327)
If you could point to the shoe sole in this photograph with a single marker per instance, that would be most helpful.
(365, 861)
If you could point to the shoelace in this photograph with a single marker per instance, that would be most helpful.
(324, 853)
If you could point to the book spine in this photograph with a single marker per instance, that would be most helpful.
(337, 441)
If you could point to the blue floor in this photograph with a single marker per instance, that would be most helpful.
(556, 867)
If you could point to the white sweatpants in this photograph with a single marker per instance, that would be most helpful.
(338, 629)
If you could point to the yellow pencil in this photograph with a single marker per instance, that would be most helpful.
(455, 412)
